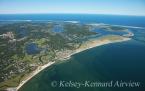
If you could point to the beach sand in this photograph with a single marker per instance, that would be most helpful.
(98, 42)
(35, 72)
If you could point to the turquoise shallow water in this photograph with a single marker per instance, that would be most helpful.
(119, 61)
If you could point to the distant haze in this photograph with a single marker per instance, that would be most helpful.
(117, 7)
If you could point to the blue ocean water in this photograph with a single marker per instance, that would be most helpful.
(83, 18)
(118, 61)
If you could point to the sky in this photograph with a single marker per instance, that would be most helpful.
(117, 7)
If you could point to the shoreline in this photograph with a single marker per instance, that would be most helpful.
(97, 43)
(34, 73)
(87, 45)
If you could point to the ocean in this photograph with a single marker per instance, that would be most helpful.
(116, 62)
(137, 21)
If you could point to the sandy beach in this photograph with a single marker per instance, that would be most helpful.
(87, 45)
(39, 69)
(95, 43)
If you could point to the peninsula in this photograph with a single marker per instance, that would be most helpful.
(30, 47)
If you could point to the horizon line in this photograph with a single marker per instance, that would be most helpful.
(68, 13)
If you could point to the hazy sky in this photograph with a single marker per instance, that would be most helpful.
(121, 7)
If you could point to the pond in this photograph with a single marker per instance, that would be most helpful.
(32, 48)
(58, 28)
